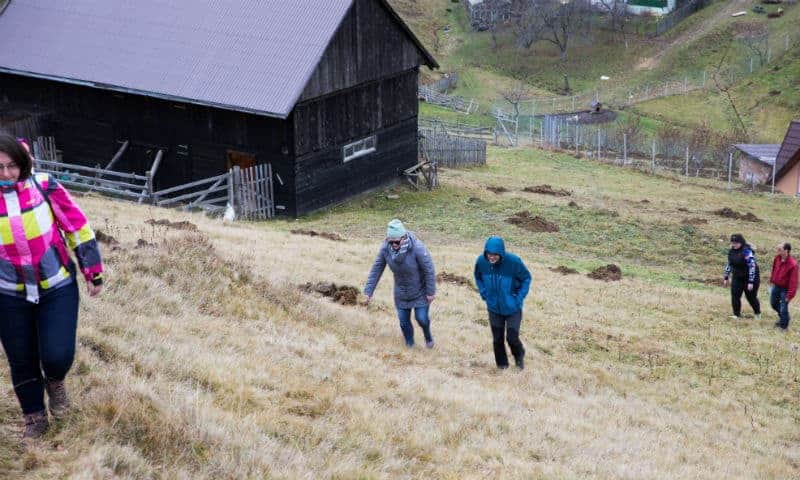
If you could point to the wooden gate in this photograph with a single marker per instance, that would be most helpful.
(252, 192)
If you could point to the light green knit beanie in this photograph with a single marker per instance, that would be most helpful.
(395, 229)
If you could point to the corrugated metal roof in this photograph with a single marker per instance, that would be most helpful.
(248, 55)
(765, 152)
(789, 147)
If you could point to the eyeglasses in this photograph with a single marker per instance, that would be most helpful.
(394, 242)
(9, 167)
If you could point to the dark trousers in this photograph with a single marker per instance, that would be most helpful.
(424, 321)
(39, 341)
(506, 326)
(778, 301)
(739, 286)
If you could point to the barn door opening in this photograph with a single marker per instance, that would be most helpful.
(242, 160)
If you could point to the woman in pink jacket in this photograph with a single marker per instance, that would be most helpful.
(39, 283)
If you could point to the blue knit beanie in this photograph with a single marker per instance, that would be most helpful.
(395, 229)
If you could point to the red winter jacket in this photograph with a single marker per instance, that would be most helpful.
(784, 275)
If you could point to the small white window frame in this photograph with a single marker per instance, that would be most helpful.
(354, 150)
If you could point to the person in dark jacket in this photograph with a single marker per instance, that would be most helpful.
(743, 274)
(503, 282)
(783, 283)
(414, 279)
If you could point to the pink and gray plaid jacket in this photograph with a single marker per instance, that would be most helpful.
(33, 257)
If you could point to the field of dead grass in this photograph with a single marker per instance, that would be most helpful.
(203, 358)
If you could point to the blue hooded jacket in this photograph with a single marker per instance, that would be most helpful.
(504, 285)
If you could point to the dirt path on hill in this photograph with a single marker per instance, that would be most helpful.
(693, 33)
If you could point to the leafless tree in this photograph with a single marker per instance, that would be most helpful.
(552, 21)
(670, 137)
(629, 128)
(754, 36)
(515, 95)
(700, 145)
(617, 11)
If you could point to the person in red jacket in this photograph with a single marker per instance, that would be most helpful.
(784, 283)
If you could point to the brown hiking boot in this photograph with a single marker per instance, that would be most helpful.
(59, 401)
(35, 426)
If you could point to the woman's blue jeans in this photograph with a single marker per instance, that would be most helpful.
(39, 341)
(421, 314)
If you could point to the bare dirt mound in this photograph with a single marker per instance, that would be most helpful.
(453, 279)
(730, 213)
(694, 221)
(608, 212)
(546, 189)
(313, 233)
(105, 238)
(497, 190)
(182, 225)
(341, 294)
(716, 281)
(563, 270)
(142, 243)
(525, 220)
(609, 273)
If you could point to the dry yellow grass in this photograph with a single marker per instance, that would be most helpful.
(203, 360)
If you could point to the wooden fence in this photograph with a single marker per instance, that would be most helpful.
(252, 192)
(458, 128)
(445, 150)
(248, 191)
(125, 185)
(459, 104)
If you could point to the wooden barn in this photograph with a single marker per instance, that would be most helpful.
(787, 178)
(323, 90)
(756, 162)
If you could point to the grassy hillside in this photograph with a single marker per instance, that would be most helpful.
(204, 360)
(767, 100)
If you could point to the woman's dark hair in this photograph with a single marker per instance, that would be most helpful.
(11, 147)
(738, 238)
(787, 246)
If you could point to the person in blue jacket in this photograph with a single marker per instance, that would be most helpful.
(503, 282)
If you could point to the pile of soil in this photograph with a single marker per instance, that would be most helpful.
(716, 281)
(546, 189)
(142, 243)
(343, 295)
(564, 270)
(497, 190)
(694, 221)
(312, 233)
(182, 225)
(525, 220)
(730, 213)
(609, 273)
(105, 238)
(444, 277)
(608, 212)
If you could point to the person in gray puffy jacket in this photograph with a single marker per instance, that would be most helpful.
(414, 279)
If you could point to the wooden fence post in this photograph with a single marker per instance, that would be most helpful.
(730, 169)
(150, 177)
(687, 161)
(653, 163)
